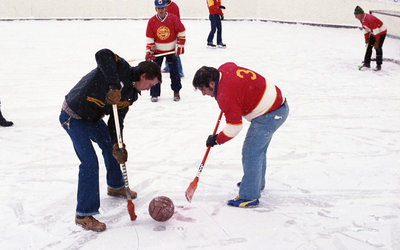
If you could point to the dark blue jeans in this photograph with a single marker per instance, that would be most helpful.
(215, 26)
(379, 51)
(82, 133)
(180, 69)
(173, 74)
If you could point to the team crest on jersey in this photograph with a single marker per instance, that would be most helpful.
(163, 32)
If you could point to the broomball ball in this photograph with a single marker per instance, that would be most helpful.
(161, 208)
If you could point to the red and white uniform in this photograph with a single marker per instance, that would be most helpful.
(243, 93)
(173, 8)
(372, 25)
(213, 7)
(163, 34)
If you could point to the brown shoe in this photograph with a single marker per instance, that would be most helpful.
(90, 223)
(120, 192)
(177, 97)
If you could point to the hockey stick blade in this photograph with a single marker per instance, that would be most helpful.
(131, 206)
(131, 210)
(191, 189)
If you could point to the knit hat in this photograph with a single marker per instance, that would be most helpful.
(160, 3)
(358, 10)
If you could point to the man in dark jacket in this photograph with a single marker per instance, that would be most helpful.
(114, 81)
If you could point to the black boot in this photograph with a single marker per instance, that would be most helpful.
(4, 122)
(366, 65)
(378, 67)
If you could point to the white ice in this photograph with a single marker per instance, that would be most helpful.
(333, 168)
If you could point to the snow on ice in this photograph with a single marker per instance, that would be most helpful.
(333, 168)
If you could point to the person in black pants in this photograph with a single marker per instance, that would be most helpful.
(216, 15)
(3, 121)
(374, 35)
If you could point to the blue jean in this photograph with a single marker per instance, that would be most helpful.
(254, 151)
(173, 73)
(216, 25)
(180, 70)
(82, 133)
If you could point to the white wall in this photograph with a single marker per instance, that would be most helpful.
(314, 11)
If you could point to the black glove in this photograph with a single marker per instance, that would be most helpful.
(120, 154)
(222, 17)
(221, 7)
(211, 140)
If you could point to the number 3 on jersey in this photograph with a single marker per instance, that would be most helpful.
(240, 71)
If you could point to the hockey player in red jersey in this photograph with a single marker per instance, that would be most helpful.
(172, 8)
(374, 34)
(216, 15)
(241, 92)
(165, 33)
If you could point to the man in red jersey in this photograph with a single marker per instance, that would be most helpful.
(374, 34)
(216, 15)
(172, 8)
(165, 33)
(241, 92)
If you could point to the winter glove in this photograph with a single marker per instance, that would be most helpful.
(113, 96)
(180, 46)
(150, 56)
(221, 7)
(222, 17)
(367, 41)
(120, 154)
(376, 44)
(150, 50)
(211, 140)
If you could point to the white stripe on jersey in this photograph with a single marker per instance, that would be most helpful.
(149, 40)
(232, 130)
(182, 34)
(265, 103)
(378, 30)
(166, 46)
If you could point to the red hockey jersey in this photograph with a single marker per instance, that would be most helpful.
(173, 9)
(243, 93)
(213, 7)
(163, 34)
(372, 25)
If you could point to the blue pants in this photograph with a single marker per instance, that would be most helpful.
(173, 73)
(254, 151)
(180, 70)
(82, 133)
(215, 26)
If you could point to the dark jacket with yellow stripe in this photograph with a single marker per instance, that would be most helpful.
(88, 97)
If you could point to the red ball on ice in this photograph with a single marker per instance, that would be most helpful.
(161, 208)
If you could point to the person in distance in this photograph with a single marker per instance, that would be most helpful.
(3, 121)
(374, 34)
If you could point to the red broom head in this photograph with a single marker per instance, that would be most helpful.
(131, 210)
(191, 189)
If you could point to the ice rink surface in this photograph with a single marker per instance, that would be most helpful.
(333, 173)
